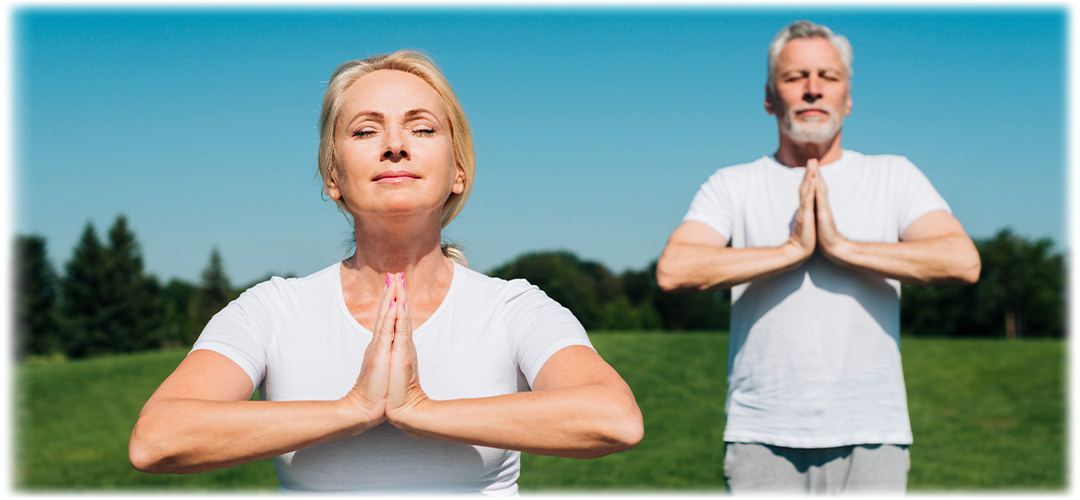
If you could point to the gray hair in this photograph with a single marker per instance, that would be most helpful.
(805, 29)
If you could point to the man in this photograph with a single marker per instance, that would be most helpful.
(820, 239)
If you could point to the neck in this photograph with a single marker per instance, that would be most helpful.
(398, 245)
(795, 154)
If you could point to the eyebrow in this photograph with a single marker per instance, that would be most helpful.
(412, 113)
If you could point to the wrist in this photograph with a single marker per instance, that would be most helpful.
(356, 416)
(795, 253)
(414, 417)
(841, 250)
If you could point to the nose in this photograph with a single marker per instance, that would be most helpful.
(395, 148)
(812, 92)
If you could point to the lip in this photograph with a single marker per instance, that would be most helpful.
(811, 112)
(395, 176)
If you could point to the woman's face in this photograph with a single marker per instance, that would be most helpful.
(394, 147)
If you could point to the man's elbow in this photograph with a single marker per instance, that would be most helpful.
(971, 271)
(667, 277)
(664, 279)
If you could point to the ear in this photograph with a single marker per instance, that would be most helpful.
(768, 101)
(331, 186)
(459, 181)
(848, 105)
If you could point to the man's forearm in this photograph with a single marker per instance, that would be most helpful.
(696, 267)
(950, 259)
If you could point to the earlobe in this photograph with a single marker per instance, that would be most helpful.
(459, 182)
(768, 101)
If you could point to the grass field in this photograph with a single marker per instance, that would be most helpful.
(987, 415)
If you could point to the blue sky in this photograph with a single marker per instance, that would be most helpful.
(593, 128)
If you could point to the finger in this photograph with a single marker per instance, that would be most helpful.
(402, 293)
(384, 303)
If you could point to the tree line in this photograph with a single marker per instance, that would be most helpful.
(105, 302)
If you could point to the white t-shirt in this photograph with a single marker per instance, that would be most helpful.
(814, 357)
(297, 340)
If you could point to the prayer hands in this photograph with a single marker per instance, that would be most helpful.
(814, 226)
(388, 387)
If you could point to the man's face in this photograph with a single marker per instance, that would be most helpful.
(812, 91)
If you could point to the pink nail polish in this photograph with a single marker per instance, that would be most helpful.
(403, 280)
(391, 306)
(387, 279)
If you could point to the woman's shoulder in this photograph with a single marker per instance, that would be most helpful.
(278, 288)
(494, 288)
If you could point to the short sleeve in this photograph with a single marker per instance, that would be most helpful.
(237, 332)
(712, 205)
(538, 327)
(919, 198)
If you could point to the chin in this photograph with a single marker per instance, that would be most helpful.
(818, 133)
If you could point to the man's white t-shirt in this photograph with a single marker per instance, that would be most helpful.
(814, 357)
(297, 340)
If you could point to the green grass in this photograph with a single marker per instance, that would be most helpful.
(988, 415)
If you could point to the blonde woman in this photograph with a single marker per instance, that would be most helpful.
(398, 369)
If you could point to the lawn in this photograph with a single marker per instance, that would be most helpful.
(988, 415)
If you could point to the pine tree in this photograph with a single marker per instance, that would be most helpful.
(85, 298)
(36, 294)
(135, 308)
(214, 293)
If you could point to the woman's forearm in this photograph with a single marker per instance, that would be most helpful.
(585, 421)
(191, 435)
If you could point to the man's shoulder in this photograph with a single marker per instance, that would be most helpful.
(877, 160)
(743, 170)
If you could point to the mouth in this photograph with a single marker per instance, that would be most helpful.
(395, 176)
(808, 112)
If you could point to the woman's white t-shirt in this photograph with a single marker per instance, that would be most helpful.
(297, 340)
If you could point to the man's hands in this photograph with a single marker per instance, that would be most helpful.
(388, 387)
(813, 227)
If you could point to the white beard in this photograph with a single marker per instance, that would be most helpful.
(817, 132)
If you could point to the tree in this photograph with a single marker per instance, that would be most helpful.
(214, 293)
(1020, 293)
(37, 330)
(178, 327)
(563, 277)
(708, 311)
(85, 306)
(134, 298)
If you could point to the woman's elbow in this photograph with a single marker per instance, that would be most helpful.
(624, 431)
(140, 455)
(147, 451)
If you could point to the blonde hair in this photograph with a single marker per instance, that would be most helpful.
(415, 63)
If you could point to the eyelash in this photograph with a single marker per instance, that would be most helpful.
(424, 132)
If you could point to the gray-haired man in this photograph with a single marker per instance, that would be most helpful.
(820, 238)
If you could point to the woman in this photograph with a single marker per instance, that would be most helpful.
(397, 369)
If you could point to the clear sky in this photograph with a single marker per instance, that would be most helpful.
(593, 128)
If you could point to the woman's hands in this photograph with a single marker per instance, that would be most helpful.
(388, 387)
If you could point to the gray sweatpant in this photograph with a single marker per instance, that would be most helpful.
(870, 468)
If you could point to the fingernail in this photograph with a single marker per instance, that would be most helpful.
(402, 279)
(387, 279)
(391, 305)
